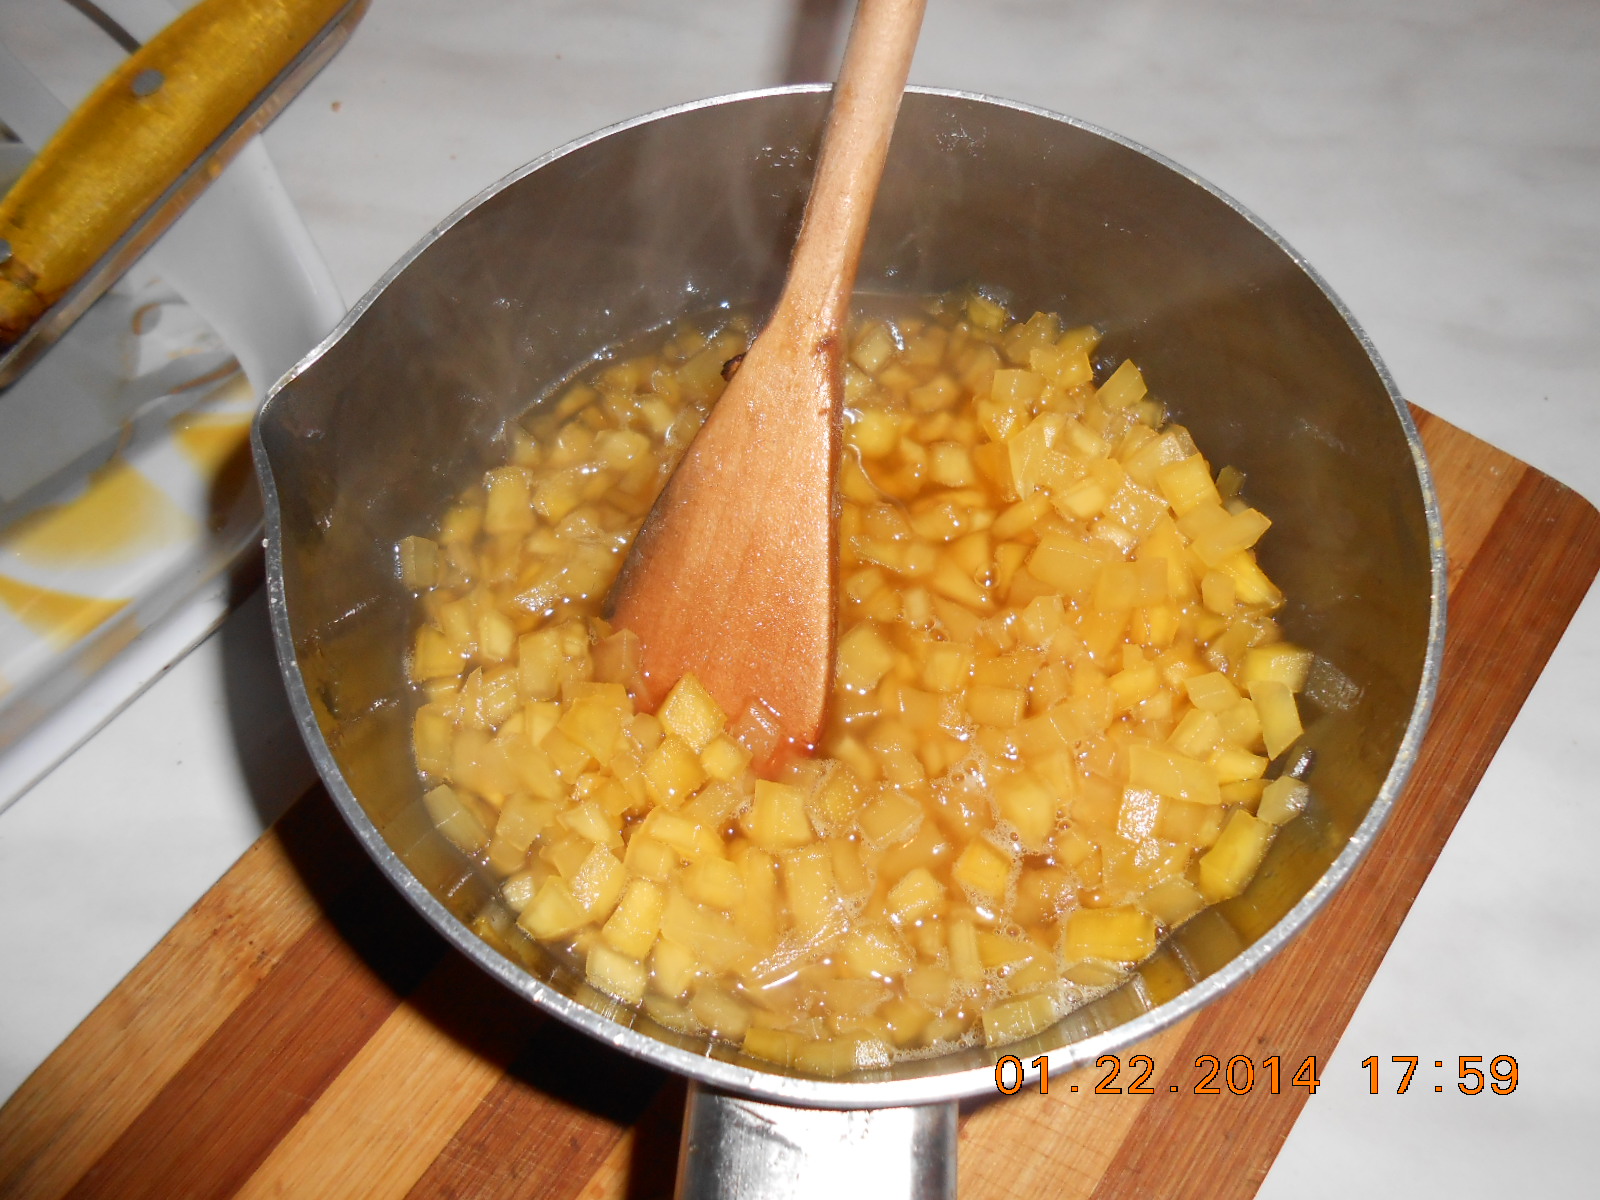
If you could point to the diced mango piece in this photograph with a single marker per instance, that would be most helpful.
(1029, 805)
(633, 925)
(1280, 719)
(1122, 934)
(1282, 800)
(1011, 1020)
(813, 894)
(916, 895)
(616, 974)
(553, 913)
(891, 819)
(1169, 773)
(454, 819)
(673, 772)
(984, 868)
(864, 657)
(689, 713)
(777, 818)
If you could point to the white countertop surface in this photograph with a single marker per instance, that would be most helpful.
(1438, 161)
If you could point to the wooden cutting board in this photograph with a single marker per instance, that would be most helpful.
(301, 1032)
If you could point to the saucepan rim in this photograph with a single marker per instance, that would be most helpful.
(735, 1076)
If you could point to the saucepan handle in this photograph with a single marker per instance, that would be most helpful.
(734, 1147)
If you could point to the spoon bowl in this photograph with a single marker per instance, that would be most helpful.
(733, 576)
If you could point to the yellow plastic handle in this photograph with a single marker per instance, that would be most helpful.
(134, 136)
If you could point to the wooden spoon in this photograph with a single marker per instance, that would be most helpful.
(733, 576)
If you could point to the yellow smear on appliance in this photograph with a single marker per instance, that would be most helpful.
(210, 442)
(219, 447)
(119, 516)
(62, 617)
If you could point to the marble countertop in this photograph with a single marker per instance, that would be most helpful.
(1437, 161)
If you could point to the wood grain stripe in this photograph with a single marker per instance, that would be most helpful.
(375, 1128)
(643, 1165)
(1057, 1144)
(1507, 613)
(82, 1098)
(551, 1123)
(221, 1113)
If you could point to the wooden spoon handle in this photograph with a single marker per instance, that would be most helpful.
(866, 101)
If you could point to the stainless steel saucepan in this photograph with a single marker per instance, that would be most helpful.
(371, 435)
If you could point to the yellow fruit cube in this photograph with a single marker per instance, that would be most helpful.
(1121, 934)
(1123, 585)
(1250, 582)
(813, 894)
(996, 706)
(687, 837)
(758, 915)
(1012, 1020)
(508, 506)
(716, 941)
(673, 969)
(874, 350)
(1228, 866)
(983, 868)
(598, 883)
(715, 882)
(1172, 901)
(673, 772)
(1233, 764)
(1282, 800)
(691, 714)
(848, 870)
(776, 819)
(1029, 805)
(595, 723)
(724, 759)
(435, 656)
(875, 433)
(915, 895)
(633, 926)
(965, 962)
(864, 657)
(1224, 538)
(1123, 387)
(874, 951)
(616, 974)
(419, 563)
(539, 662)
(1196, 735)
(1169, 773)
(1218, 592)
(432, 733)
(589, 820)
(650, 859)
(1280, 719)
(891, 819)
(1212, 691)
(553, 913)
(497, 637)
(452, 817)
(1187, 484)
(1287, 664)
(947, 668)
(774, 1045)
(1188, 824)
(1065, 563)
(837, 798)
